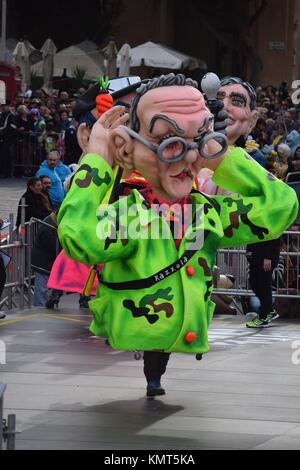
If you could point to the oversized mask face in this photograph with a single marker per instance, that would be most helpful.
(164, 113)
(237, 104)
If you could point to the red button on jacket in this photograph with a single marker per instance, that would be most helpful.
(190, 271)
(190, 337)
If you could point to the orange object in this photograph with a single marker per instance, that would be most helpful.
(190, 337)
(190, 271)
(104, 102)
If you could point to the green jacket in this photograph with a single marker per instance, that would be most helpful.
(160, 317)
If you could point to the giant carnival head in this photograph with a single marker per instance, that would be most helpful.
(239, 99)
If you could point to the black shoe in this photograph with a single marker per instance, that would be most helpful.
(154, 388)
(84, 301)
(53, 302)
(155, 392)
(2, 315)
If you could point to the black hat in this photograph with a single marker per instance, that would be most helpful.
(117, 87)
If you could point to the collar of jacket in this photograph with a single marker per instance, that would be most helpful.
(200, 223)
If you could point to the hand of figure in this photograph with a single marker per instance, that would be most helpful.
(267, 265)
(99, 141)
(221, 117)
(212, 147)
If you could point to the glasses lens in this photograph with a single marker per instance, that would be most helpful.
(172, 149)
(209, 151)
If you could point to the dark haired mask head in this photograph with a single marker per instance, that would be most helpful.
(239, 100)
(118, 87)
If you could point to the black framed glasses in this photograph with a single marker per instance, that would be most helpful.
(175, 148)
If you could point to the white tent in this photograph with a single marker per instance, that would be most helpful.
(124, 60)
(21, 58)
(48, 50)
(10, 45)
(155, 55)
(111, 52)
(85, 55)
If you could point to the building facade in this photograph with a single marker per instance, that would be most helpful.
(256, 39)
(267, 51)
(276, 38)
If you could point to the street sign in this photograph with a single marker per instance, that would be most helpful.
(276, 45)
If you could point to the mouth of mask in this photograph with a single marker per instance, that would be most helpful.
(184, 174)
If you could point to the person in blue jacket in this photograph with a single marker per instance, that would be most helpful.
(53, 168)
(63, 171)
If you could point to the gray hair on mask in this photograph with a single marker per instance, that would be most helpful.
(157, 82)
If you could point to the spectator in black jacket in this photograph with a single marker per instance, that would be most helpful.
(34, 202)
(263, 259)
(9, 132)
(44, 252)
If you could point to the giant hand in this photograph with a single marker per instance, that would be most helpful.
(100, 141)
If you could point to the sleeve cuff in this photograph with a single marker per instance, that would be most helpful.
(93, 169)
(96, 161)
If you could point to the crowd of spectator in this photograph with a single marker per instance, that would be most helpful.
(275, 141)
(45, 191)
(30, 127)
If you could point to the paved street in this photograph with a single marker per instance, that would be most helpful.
(11, 191)
(70, 390)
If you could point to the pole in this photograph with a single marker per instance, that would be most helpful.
(3, 33)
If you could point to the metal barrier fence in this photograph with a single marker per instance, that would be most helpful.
(16, 287)
(20, 278)
(2, 390)
(286, 283)
(23, 153)
(30, 150)
(18, 292)
(7, 427)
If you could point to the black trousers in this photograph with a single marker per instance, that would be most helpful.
(261, 284)
(8, 158)
(2, 276)
(155, 364)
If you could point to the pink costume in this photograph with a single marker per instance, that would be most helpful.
(69, 276)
